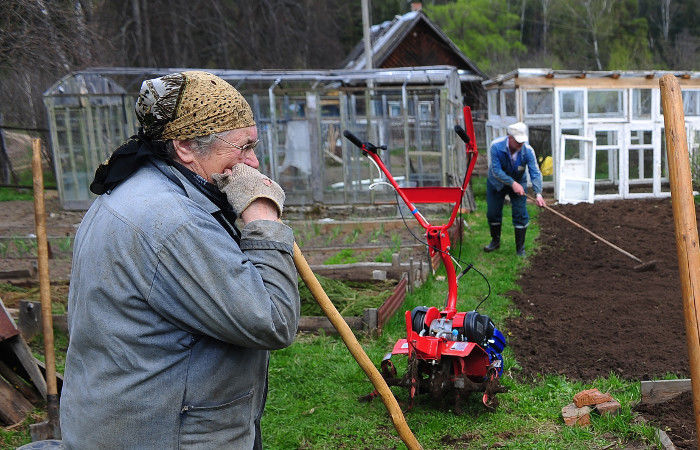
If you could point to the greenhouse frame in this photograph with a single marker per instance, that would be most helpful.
(300, 117)
(603, 130)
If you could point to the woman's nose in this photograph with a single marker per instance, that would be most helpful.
(251, 160)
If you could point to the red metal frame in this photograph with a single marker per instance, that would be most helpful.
(437, 237)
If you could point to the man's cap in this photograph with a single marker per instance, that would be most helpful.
(518, 131)
(186, 105)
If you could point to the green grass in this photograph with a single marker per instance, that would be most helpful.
(344, 256)
(24, 178)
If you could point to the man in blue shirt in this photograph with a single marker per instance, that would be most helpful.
(510, 156)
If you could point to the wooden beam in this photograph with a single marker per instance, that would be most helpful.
(314, 323)
(601, 83)
(24, 354)
(660, 391)
(13, 406)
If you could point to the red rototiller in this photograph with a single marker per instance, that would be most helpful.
(450, 353)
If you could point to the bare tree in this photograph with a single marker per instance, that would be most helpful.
(595, 15)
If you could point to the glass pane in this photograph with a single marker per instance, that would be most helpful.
(691, 100)
(648, 163)
(540, 138)
(665, 185)
(571, 104)
(607, 137)
(634, 164)
(641, 103)
(509, 99)
(606, 103)
(640, 137)
(538, 102)
(493, 102)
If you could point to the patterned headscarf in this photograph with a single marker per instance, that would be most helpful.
(177, 106)
(189, 104)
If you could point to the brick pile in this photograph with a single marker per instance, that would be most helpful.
(584, 403)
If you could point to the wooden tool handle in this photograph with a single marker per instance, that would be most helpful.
(685, 225)
(43, 264)
(624, 252)
(356, 349)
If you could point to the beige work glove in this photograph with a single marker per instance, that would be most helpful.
(243, 185)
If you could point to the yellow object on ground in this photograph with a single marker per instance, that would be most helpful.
(546, 166)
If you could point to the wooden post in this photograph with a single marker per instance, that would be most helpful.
(685, 225)
(44, 287)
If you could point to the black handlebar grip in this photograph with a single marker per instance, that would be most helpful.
(462, 134)
(352, 138)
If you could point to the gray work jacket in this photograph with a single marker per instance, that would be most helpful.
(171, 321)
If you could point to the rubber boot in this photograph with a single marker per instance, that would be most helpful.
(495, 238)
(520, 241)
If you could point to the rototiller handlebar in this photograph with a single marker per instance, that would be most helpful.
(437, 236)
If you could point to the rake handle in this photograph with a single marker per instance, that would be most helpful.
(624, 252)
(355, 349)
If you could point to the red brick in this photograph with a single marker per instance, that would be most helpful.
(573, 415)
(612, 407)
(591, 397)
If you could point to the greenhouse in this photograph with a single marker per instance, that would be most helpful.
(603, 130)
(300, 117)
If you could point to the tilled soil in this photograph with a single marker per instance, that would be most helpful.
(586, 312)
(675, 417)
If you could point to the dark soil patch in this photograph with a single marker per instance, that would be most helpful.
(586, 312)
(675, 417)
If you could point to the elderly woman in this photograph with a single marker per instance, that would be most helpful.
(172, 309)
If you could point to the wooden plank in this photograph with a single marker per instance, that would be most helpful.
(8, 329)
(24, 354)
(315, 323)
(13, 406)
(600, 83)
(9, 274)
(660, 391)
(19, 383)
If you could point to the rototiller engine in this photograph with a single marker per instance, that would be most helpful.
(450, 353)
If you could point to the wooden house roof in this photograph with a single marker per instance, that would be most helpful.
(412, 40)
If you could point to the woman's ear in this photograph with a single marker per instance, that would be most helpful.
(184, 151)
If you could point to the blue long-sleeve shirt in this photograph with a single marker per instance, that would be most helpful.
(503, 170)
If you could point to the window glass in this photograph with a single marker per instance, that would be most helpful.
(570, 104)
(573, 148)
(605, 103)
(424, 110)
(691, 103)
(493, 102)
(640, 137)
(394, 108)
(509, 100)
(538, 102)
(641, 103)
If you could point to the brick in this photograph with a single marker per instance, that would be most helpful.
(591, 397)
(573, 415)
(612, 407)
